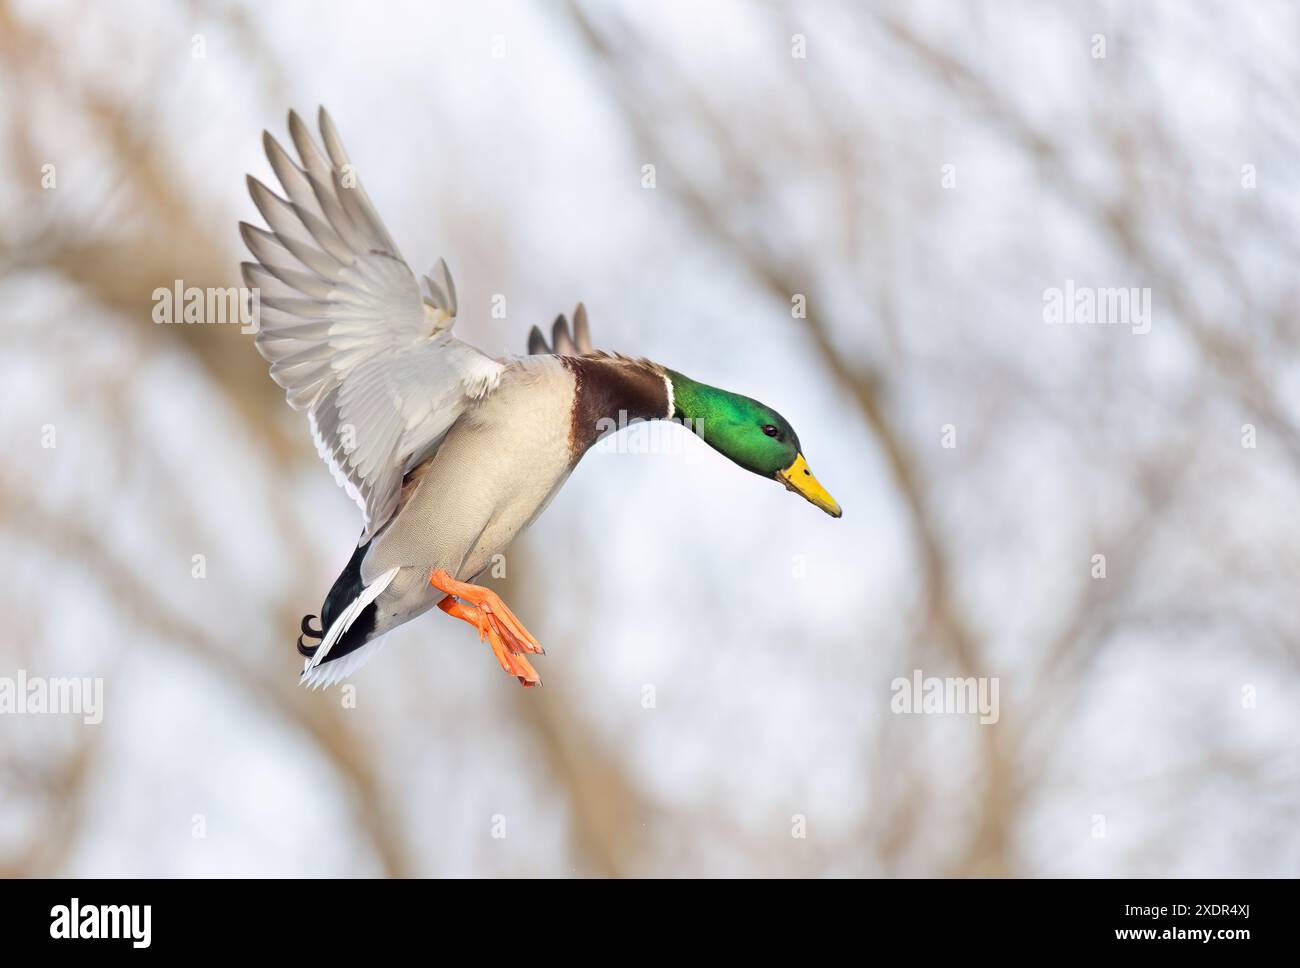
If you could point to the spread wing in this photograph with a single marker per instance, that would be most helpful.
(348, 331)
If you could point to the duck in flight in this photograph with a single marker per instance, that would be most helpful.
(448, 452)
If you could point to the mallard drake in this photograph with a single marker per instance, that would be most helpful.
(449, 453)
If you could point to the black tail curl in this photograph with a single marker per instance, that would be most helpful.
(307, 630)
(344, 591)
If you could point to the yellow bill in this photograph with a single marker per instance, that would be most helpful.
(798, 478)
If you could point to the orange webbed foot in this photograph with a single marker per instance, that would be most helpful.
(496, 624)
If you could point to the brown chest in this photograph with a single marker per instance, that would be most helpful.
(609, 393)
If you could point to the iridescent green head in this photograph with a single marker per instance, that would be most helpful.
(750, 433)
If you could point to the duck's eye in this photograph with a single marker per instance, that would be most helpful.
(770, 430)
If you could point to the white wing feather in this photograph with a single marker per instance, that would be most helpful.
(346, 328)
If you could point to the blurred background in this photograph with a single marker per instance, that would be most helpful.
(720, 654)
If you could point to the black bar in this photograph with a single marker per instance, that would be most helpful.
(330, 917)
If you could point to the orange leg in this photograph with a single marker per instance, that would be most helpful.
(485, 610)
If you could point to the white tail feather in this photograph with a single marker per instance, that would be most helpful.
(331, 672)
(312, 673)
